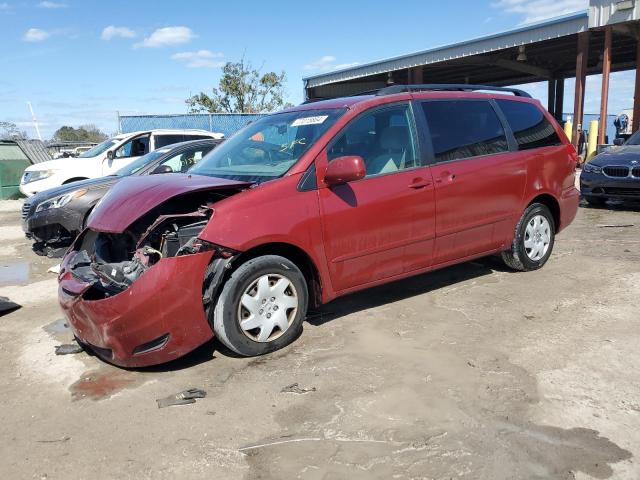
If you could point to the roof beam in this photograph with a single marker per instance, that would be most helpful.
(523, 68)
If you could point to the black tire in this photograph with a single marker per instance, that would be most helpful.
(226, 323)
(595, 201)
(516, 257)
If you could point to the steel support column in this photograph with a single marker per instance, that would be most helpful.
(559, 106)
(415, 76)
(551, 97)
(604, 96)
(581, 79)
(636, 96)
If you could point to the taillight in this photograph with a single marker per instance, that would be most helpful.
(573, 155)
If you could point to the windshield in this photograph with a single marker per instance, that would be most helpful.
(634, 139)
(98, 149)
(140, 163)
(267, 148)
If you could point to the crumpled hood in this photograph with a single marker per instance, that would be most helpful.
(624, 155)
(132, 197)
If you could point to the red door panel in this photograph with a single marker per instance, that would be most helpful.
(477, 203)
(378, 227)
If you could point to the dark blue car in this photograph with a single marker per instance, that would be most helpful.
(614, 174)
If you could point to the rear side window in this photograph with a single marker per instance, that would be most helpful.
(463, 129)
(530, 127)
(164, 140)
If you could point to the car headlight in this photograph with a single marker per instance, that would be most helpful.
(589, 168)
(35, 175)
(60, 201)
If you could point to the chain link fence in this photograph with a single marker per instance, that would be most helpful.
(227, 123)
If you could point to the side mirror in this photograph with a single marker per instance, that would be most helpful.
(110, 154)
(161, 169)
(618, 141)
(344, 169)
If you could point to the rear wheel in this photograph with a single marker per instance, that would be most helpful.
(595, 201)
(262, 306)
(533, 240)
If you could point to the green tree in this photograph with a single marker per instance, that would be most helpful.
(242, 89)
(84, 133)
(10, 131)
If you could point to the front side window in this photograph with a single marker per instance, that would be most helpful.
(463, 129)
(140, 163)
(184, 161)
(384, 139)
(268, 147)
(135, 147)
(529, 125)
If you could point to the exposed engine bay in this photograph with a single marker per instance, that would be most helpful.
(112, 262)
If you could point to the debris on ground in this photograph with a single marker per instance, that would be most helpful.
(7, 306)
(295, 388)
(55, 269)
(66, 438)
(183, 398)
(68, 349)
(625, 225)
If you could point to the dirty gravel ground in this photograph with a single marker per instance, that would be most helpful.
(471, 372)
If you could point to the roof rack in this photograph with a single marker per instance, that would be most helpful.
(460, 87)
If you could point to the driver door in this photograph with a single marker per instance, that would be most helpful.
(126, 153)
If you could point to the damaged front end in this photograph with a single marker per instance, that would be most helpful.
(112, 262)
(138, 297)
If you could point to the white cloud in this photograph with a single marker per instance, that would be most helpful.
(199, 59)
(167, 36)
(112, 31)
(48, 4)
(4, 7)
(35, 35)
(326, 63)
(537, 10)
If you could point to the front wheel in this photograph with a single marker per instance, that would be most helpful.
(533, 240)
(262, 306)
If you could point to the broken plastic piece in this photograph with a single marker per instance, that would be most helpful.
(183, 398)
(55, 269)
(7, 306)
(68, 349)
(295, 388)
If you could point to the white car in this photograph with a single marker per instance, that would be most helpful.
(103, 159)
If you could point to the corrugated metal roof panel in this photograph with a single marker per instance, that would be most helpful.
(34, 150)
(549, 29)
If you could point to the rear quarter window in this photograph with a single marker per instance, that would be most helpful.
(529, 125)
(164, 140)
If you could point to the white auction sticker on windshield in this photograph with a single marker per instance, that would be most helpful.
(309, 120)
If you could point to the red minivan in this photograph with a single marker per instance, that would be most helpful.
(312, 203)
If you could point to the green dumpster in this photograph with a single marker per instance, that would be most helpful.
(13, 161)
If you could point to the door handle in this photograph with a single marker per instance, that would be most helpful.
(419, 183)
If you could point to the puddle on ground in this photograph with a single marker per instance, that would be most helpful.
(99, 384)
(59, 326)
(14, 273)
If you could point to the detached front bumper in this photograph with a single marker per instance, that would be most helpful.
(159, 318)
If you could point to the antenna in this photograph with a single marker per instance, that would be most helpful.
(35, 121)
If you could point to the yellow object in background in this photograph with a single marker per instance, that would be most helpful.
(592, 140)
(568, 127)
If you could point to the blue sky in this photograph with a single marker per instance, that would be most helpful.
(79, 62)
